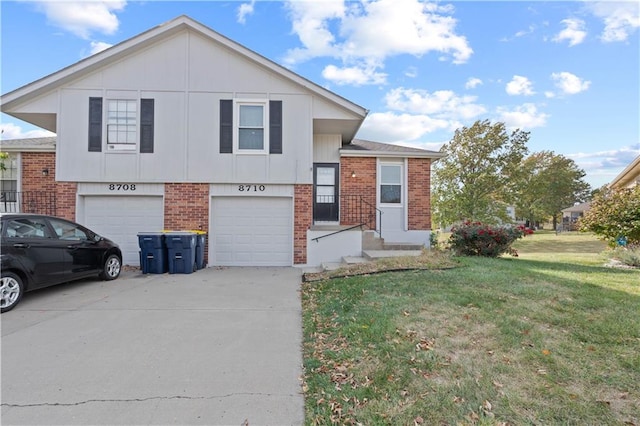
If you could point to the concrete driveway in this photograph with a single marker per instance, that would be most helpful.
(216, 347)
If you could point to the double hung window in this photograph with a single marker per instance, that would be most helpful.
(390, 184)
(122, 119)
(251, 119)
(9, 179)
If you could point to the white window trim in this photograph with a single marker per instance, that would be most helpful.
(403, 184)
(237, 103)
(121, 147)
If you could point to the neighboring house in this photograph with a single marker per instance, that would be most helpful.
(180, 128)
(629, 177)
(571, 215)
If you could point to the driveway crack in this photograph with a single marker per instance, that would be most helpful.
(151, 398)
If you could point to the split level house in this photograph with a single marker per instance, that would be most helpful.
(180, 128)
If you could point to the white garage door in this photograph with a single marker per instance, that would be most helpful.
(121, 218)
(252, 231)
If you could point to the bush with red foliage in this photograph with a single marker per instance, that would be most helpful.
(478, 239)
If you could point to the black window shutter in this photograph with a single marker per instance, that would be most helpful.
(275, 127)
(95, 124)
(146, 125)
(226, 126)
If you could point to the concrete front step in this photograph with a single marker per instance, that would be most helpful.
(402, 246)
(379, 254)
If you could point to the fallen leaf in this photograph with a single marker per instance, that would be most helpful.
(418, 420)
(497, 384)
(546, 352)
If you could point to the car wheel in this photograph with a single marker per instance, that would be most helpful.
(111, 268)
(11, 289)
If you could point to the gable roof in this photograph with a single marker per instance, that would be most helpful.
(578, 208)
(364, 148)
(45, 144)
(30, 91)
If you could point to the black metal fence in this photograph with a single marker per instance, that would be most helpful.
(41, 202)
(355, 210)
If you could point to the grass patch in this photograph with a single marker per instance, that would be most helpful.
(550, 337)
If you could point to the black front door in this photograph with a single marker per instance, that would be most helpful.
(325, 192)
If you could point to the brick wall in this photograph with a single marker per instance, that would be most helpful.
(33, 180)
(32, 165)
(363, 184)
(66, 200)
(186, 208)
(419, 192)
(303, 219)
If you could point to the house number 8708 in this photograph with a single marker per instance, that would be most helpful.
(254, 188)
(122, 187)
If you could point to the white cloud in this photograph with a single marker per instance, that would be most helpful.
(98, 46)
(371, 31)
(244, 10)
(472, 83)
(310, 21)
(525, 116)
(411, 72)
(520, 33)
(355, 76)
(415, 113)
(574, 32)
(392, 127)
(13, 131)
(520, 85)
(569, 84)
(443, 104)
(621, 19)
(603, 166)
(83, 17)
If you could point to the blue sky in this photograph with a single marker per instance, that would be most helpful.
(568, 72)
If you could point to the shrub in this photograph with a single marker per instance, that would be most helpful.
(477, 239)
(614, 213)
(629, 255)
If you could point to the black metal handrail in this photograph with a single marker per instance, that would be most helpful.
(358, 212)
(42, 202)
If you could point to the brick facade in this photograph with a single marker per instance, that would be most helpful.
(419, 189)
(33, 179)
(363, 184)
(303, 219)
(186, 208)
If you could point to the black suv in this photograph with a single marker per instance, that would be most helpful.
(39, 251)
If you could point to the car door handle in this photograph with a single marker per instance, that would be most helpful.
(72, 247)
(21, 245)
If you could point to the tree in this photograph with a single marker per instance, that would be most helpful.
(545, 184)
(614, 213)
(3, 156)
(473, 181)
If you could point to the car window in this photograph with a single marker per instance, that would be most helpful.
(26, 228)
(68, 231)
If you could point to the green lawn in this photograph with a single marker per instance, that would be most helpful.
(550, 337)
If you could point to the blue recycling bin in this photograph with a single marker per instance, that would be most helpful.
(181, 251)
(201, 240)
(153, 253)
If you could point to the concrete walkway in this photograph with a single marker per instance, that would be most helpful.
(216, 347)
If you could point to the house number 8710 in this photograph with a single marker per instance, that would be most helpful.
(122, 187)
(247, 188)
